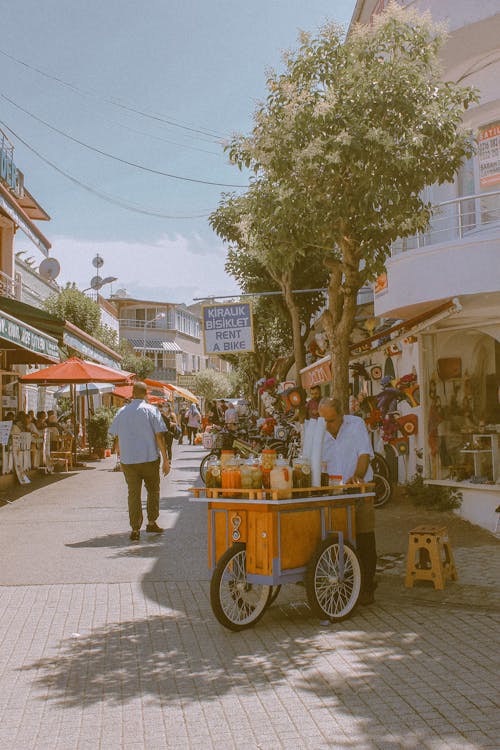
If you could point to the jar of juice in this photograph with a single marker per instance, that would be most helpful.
(246, 475)
(214, 478)
(325, 479)
(225, 456)
(256, 472)
(301, 472)
(281, 477)
(268, 459)
(231, 475)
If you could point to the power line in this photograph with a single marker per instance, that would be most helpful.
(117, 158)
(94, 191)
(113, 102)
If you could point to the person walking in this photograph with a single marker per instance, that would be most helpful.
(347, 451)
(170, 420)
(139, 429)
(193, 422)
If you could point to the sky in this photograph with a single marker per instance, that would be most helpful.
(161, 85)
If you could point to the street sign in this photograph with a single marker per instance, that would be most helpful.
(227, 329)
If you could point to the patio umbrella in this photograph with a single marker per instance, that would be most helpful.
(74, 371)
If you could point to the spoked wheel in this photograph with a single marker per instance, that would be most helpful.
(236, 603)
(203, 465)
(380, 465)
(330, 595)
(383, 490)
(274, 594)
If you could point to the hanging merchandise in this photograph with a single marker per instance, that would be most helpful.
(408, 424)
(400, 445)
(389, 371)
(376, 372)
(449, 368)
(393, 350)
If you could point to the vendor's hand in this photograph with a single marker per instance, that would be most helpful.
(354, 480)
(165, 467)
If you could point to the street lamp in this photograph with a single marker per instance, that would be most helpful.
(148, 323)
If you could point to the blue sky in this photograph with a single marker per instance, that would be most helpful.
(197, 63)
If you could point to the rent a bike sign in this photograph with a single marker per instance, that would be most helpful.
(227, 329)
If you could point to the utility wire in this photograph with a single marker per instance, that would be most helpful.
(114, 102)
(117, 158)
(90, 189)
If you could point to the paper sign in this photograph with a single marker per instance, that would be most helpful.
(5, 428)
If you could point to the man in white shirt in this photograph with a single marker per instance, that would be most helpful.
(231, 416)
(347, 451)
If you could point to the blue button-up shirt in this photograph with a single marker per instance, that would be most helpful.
(136, 426)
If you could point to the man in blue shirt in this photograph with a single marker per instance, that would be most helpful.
(139, 427)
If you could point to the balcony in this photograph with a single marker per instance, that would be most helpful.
(167, 374)
(458, 255)
(10, 287)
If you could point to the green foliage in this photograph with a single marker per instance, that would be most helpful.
(142, 367)
(433, 496)
(98, 426)
(73, 305)
(211, 384)
(348, 137)
(64, 406)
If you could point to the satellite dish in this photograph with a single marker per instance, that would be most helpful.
(98, 262)
(49, 269)
(96, 282)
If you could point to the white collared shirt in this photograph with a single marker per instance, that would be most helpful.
(341, 453)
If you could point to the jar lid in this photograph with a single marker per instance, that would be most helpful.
(269, 450)
(228, 451)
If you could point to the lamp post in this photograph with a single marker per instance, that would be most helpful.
(148, 323)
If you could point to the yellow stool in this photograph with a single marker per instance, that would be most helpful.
(430, 557)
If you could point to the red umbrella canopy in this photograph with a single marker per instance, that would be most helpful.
(75, 370)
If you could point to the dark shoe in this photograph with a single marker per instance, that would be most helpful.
(366, 597)
(135, 536)
(153, 528)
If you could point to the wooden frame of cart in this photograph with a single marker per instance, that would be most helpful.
(259, 540)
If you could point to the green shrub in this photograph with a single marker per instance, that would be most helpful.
(433, 496)
(97, 428)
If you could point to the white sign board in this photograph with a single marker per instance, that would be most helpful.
(5, 428)
(227, 329)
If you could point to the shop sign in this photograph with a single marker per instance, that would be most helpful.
(489, 155)
(227, 329)
(9, 173)
(316, 374)
(186, 381)
(26, 337)
(89, 351)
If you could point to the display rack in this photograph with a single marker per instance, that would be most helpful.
(479, 454)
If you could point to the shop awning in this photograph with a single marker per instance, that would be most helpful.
(155, 345)
(89, 347)
(24, 343)
(321, 372)
(10, 206)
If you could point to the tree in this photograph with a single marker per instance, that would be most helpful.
(142, 367)
(270, 241)
(73, 305)
(352, 132)
(211, 384)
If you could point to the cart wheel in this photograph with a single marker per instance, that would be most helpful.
(383, 490)
(236, 603)
(380, 465)
(328, 596)
(274, 594)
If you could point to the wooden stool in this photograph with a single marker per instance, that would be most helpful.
(430, 557)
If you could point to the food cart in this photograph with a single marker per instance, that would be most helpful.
(259, 540)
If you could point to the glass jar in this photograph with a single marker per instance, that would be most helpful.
(214, 478)
(225, 456)
(231, 475)
(301, 472)
(325, 479)
(281, 477)
(256, 474)
(268, 459)
(246, 475)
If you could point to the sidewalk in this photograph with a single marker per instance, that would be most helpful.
(109, 645)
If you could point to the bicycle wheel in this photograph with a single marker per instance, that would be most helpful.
(274, 594)
(204, 463)
(331, 596)
(383, 490)
(380, 465)
(236, 603)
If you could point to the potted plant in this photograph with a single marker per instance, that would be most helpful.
(97, 430)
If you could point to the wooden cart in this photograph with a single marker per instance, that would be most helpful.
(259, 540)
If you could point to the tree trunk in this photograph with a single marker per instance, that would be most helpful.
(298, 348)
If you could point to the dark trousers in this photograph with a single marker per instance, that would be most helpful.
(135, 475)
(169, 439)
(367, 553)
(191, 433)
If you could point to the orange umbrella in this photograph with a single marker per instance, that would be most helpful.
(76, 370)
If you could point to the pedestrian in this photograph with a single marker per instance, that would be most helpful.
(231, 416)
(312, 404)
(139, 429)
(347, 451)
(183, 419)
(193, 422)
(170, 420)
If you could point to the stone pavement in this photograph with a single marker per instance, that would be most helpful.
(107, 644)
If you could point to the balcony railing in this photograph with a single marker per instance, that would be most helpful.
(455, 220)
(9, 287)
